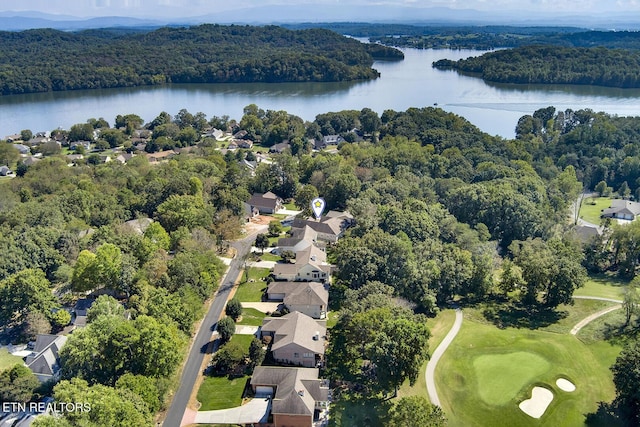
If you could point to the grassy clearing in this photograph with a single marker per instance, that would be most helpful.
(358, 413)
(604, 286)
(7, 360)
(592, 207)
(221, 392)
(518, 360)
(251, 317)
(269, 257)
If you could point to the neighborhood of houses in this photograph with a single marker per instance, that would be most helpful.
(297, 340)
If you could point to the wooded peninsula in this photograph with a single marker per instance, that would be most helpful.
(554, 65)
(45, 60)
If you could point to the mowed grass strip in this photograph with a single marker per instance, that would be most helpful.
(459, 383)
(501, 376)
(604, 286)
(251, 317)
(592, 207)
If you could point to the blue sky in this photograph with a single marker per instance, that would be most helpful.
(183, 8)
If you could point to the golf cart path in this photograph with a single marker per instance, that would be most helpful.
(437, 354)
(584, 322)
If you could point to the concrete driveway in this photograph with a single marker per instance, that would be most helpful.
(262, 306)
(254, 412)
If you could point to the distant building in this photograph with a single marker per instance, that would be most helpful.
(265, 203)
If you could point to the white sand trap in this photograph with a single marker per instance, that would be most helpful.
(540, 399)
(565, 385)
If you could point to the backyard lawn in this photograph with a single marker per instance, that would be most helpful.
(7, 360)
(604, 286)
(591, 208)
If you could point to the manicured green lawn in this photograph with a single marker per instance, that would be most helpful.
(592, 207)
(603, 285)
(358, 413)
(221, 392)
(269, 257)
(487, 372)
(250, 291)
(7, 360)
(251, 317)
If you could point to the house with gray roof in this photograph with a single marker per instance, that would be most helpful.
(310, 298)
(44, 360)
(622, 209)
(330, 228)
(310, 266)
(297, 339)
(300, 239)
(265, 203)
(299, 396)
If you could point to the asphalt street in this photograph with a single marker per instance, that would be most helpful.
(203, 336)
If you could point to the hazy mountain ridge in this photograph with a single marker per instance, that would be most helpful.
(16, 21)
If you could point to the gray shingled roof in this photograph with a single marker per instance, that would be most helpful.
(296, 328)
(297, 389)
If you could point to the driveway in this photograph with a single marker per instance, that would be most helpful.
(437, 354)
(261, 264)
(288, 212)
(256, 411)
(246, 330)
(262, 306)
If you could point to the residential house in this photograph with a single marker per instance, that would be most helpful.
(30, 160)
(244, 143)
(299, 396)
(23, 149)
(13, 138)
(80, 312)
(240, 134)
(160, 156)
(85, 144)
(622, 209)
(280, 148)
(124, 157)
(310, 266)
(232, 145)
(5, 171)
(301, 239)
(329, 228)
(326, 141)
(297, 339)
(586, 233)
(72, 158)
(250, 212)
(310, 298)
(214, 133)
(267, 203)
(44, 360)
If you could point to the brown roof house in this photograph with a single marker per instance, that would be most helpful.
(299, 396)
(330, 228)
(310, 298)
(44, 360)
(622, 209)
(297, 339)
(266, 203)
(310, 266)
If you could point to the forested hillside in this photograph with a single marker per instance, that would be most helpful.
(554, 65)
(442, 211)
(49, 60)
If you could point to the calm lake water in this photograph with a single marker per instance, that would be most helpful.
(494, 108)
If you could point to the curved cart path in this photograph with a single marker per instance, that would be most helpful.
(584, 322)
(437, 354)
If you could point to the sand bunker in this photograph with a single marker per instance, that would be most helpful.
(565, 385)
(540, 399)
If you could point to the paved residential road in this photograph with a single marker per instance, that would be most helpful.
(203, 335)
(437, 354)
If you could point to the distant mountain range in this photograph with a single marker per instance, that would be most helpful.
(16, 21)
